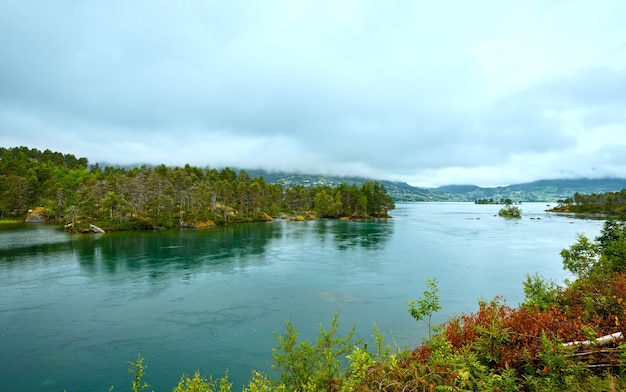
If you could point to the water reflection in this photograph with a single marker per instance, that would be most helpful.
(223, 248)
(360, 234)
(24, 251)
(20, 238)
(581, 216)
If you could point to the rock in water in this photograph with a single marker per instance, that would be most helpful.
(96, 229)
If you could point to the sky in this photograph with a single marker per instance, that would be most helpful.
(426, 92)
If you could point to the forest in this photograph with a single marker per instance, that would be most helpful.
(71, 190)
(611, 203)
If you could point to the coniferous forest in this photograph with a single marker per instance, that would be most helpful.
(612, 203)
(161, 197)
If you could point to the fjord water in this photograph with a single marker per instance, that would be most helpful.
(74, 309)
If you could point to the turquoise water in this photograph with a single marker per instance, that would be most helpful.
(75, 309)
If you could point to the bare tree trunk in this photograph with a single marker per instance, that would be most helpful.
(601, 341)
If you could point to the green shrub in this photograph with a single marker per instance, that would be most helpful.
(308, 366)
(424, 308)
(539, 292)
(138, 369)
(199, 383)
(510, 212)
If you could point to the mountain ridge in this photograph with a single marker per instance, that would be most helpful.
(546, 190)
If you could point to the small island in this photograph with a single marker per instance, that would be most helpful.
(506, 201)
(609, 203)
(510, 211)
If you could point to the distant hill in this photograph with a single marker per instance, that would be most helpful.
(399, 191)
(540, 191)
(548, 191)
(457, 189)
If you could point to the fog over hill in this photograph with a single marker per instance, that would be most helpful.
(538, 191)
(542, 190)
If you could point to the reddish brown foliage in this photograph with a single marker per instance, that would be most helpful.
(502, 337)
(599, 304)
(511, 337)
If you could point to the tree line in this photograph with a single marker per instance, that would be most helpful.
(506, 201)
(612, 203)
(165, 197)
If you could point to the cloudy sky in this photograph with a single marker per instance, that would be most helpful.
(427, 92)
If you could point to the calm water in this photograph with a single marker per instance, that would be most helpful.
(75, 309)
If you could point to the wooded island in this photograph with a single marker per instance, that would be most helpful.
(70, 190)
(610, 203)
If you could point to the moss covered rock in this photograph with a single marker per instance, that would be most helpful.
(37, 215)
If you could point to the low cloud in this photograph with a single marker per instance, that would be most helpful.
(426, 93)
